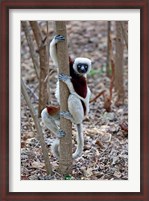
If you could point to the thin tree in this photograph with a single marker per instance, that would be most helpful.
(44, 65)
(65, 165)
(119, 87)
(26, 29)
(124, 32)
(38, 128)
(108, 49)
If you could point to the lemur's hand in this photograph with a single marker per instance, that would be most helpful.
(67, 115)
(64, 78)
(60, 133)
(58, 38)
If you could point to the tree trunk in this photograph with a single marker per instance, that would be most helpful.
(108, 49)
(44, 66)
(65, 165)
(125, 34)
(119, 87)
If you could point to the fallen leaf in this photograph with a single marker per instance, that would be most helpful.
(37, 165)
(99, 144)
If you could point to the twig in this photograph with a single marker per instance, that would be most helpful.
(97, 96)
(32, 93)
(38, 127)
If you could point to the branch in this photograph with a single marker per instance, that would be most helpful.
(66, 126)
(44, 66)
(37, 33)
(29, 39)
(38, 127)
(97, 96)
(32, 94)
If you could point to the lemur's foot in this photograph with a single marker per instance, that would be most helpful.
(60, 133)
(66, 115)
(59, 38)
(64, 77)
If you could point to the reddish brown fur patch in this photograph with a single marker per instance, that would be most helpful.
(79, 83)
(53, 109)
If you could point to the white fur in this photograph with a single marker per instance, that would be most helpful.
(84, 61)
(75, 108)
(57, 92)
(50, 123)
(53, 54)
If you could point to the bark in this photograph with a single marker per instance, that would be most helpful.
(44, 66)
(111, 61)
(108, 48)
(38, 127)
(65, 165)
(119, 64)
(124, 32)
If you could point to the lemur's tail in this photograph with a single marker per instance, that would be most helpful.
(55, 148)
(80, 142)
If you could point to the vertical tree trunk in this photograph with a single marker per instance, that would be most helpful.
(124, 32)
(119, 64)
(65, 165)
(108, 49)
(44, 65)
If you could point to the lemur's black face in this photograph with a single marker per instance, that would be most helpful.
(82, 68)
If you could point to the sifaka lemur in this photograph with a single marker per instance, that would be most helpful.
(78, 100)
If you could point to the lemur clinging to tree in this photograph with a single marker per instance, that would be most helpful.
(78, 100)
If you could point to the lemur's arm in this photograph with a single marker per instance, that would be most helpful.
(67, 80)
(53, 50)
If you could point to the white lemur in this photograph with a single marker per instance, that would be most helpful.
(78, 100)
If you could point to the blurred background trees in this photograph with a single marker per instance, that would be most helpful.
(106, 44)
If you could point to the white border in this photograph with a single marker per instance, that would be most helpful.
(133, 184)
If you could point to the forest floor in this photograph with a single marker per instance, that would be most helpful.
(105, 154)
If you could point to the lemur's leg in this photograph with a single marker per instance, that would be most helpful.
(76, 115)
(52, 123)
(76, 109)
(76, 112)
